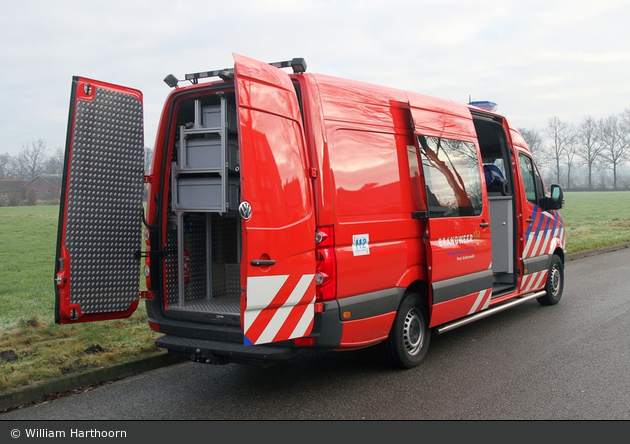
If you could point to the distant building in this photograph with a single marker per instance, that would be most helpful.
(45, 186)
(11, 191)
(10, 186)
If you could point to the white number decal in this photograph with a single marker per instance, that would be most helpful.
(360, 244)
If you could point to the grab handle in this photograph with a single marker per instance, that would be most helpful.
(262, 262)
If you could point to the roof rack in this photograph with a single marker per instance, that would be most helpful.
(297, 64)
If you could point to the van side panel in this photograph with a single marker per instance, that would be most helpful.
(441, 117)
(458, 308)
(361, 103)
(373, 205)
(368, 133)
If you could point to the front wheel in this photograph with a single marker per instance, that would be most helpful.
(408, 341)
(555, 283)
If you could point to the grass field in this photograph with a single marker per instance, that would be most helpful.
(32, 345)
(34, 348)
(596, 219)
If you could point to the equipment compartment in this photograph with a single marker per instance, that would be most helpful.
(206, 194)
(206, 153)
(210, 244)
(211, 117)
(203, 235)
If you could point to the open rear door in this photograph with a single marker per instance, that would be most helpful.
(97, 272)
(278, 265)
(457, 236)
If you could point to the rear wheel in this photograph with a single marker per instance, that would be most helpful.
(555, 282)
(408, 341)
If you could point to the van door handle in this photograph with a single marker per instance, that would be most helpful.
(262, 262)
(529, 220)
(484, 224)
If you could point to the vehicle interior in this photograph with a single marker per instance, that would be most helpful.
(495, 153)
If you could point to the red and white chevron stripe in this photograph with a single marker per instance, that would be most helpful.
(278, 308)
(544, 243)
(534, 281)
(546, 239)
(482, 301)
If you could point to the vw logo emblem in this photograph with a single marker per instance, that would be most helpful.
(245, 210)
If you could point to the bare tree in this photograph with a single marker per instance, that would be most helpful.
(625, 130)
(534, 141)
(569, 154)
(54, 165)
(562, 136)
(31, 160)
(615, 147)
(5, 165)
(148, 160)
(588, 147)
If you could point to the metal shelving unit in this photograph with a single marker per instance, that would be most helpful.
(205, 158)
(204, 179)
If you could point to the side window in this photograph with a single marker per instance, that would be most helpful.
(452, 178)
(534, 188)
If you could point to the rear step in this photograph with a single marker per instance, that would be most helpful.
(216, 352)
(482, 314)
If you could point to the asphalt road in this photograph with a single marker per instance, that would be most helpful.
(566, 362)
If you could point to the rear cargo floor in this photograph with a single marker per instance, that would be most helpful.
(226, 304)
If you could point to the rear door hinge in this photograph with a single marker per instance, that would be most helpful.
(148, 178)
(146, 294)
(313, 173)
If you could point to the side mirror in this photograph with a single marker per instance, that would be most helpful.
(556, 201)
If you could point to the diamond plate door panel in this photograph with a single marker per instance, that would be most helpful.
(104, 180)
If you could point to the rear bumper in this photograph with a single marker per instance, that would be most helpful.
(213, 343)
(217, 352)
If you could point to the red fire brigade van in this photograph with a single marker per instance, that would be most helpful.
(289, 210)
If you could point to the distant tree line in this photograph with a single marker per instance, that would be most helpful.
(33, 159)
(591, 154)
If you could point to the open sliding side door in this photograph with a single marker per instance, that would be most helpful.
(97, 272)
(278, 263)
(457, 236)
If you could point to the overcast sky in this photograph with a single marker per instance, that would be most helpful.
(536, 59)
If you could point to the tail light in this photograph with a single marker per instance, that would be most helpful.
(325, 275)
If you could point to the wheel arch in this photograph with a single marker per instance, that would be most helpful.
(421, 288)
(558, 252)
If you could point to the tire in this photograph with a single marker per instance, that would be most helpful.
(408, 341)
(555, 283)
